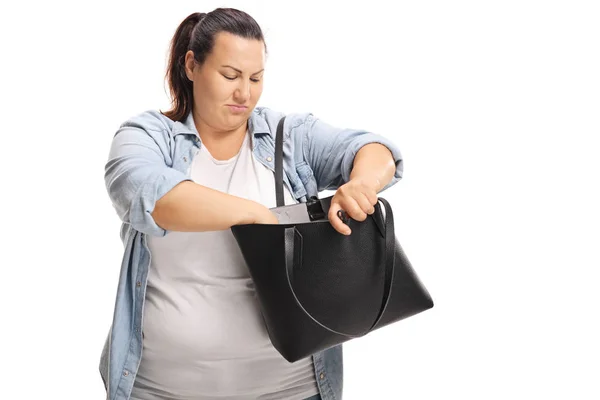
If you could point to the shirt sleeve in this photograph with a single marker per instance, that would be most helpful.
(330, 152)
(137, 175)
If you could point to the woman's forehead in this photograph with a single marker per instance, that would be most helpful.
(238, 52)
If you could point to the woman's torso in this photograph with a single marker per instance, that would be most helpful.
(204, 336)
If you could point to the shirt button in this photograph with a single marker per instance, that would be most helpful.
(138, 284)
(184, 159)
(125, 373)
(269, 159)
(322, 376)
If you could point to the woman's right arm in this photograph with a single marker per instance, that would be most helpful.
(190, 207)
(155, 198)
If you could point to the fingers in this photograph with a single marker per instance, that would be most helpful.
(358, 207)
(357, 200)
(355, 203)
(365, 204)
(336, 222)
(372, 198)
(355, 211)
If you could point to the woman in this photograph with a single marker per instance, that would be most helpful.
(179, 180)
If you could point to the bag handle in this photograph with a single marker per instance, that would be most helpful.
(293, 245)
(279, 164)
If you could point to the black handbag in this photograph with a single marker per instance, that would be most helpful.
(318, 288)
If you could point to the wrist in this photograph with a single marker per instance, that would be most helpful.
(371, 180)
(249, 212)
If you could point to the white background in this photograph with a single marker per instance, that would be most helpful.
(495, 106)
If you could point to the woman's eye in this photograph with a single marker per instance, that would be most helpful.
(235, 77)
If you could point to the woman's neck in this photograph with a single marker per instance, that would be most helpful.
(222, 145)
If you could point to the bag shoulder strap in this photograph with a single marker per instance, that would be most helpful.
(279, 164)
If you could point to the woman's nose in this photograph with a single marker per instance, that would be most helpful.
(242, 93)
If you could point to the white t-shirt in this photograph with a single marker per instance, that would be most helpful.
(204, 336)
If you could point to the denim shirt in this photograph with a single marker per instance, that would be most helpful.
(150, 154)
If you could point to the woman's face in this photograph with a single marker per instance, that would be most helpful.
(229, 83)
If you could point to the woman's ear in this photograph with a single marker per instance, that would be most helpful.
(190, 64)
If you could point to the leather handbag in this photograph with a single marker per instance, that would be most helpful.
(318, 288)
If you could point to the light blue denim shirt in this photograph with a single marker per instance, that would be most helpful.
(150, 154)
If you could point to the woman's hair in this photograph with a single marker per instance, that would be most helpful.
(197, 33)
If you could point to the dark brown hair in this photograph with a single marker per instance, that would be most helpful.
(197, 33)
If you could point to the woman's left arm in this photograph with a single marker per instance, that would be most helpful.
(356, 163)
(373, 169)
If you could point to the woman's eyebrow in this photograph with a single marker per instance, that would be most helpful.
(239, 71)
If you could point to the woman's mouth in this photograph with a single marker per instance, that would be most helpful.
(237, 109)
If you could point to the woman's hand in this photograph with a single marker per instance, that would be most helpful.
(357, 198)
(262, 215)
